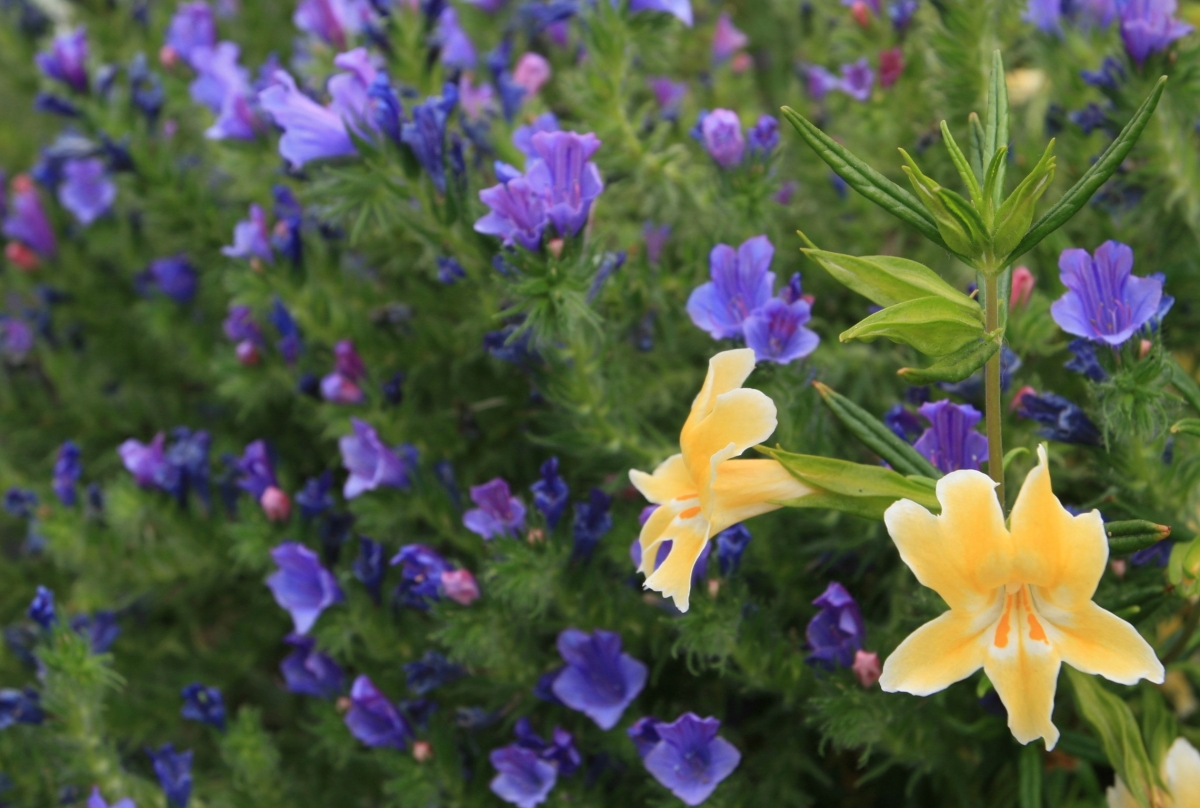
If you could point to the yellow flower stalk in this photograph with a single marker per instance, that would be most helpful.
(1020, 598)
(1180, 774)
(703, 490)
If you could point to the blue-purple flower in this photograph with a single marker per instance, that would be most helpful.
(26, 221)
(901, 13)
(776, 331)
(857, 79)
(421, 570)
(669, 95)
(550, 493)
(86, 190)
(721, 134)
(727, 39)
(456, 49)
(951, 443)
(147, 462)
(763, 137)
(599, 680)
(523, 778)
(820, 82)
(100, 630)
(430, 672)
(1084, 360)
(96, 800)
(332, 21)
(741, 283)
(1062, 420)
(224, 87)
(1045, 14)
(565, 176)
(517, 215)
(372, 464)
(679, 8)
(731, 544)
(41, 608)
(66, 61)
(309, 672)
(67, 471)
(174, 772)
(301, 585)
(342, 386)
(173, 276)
(592, 520)
(836, 632)
(425, 134)
(20, 502)
(1104, 302)
(311, 131)
(499, 513)
(373, 719)
(191, 28)
(257, 472)
(204, 704)
(559, 750)
(522, 136)
(687, 757)
(1149, 26)
(251, 237)
(20, 707)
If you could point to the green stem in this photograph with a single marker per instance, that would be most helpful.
(991, 381)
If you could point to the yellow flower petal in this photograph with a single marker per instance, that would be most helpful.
(674, 578)
(1118, 796)
(1023, 667)
(746, 488)
(669, 481)
(738, 420)
(939, 653)
(1181, 770)
(1095, 641)
(965, 554)
(654, 533)
(727, 371)
(1063, 555)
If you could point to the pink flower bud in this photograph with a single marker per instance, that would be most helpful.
(247, 353)
(168, 57)
(460, 586)
(422, 751)
(741, 62)
(275, 504)
(714, 587)
(1119, 566)
(862, 14)
(1144, 348)
(1022, 287)
(1016, 402)
(21, 256)
(531, 72)
(866, 667)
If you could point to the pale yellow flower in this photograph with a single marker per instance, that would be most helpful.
(703, 490)
(1020, 599)
(1180, 774)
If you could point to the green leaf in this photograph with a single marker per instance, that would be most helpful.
(1125, 538)
(1011, 455)
(954, 367)
(1113, 721)
(884, 279)
(996, 133)
(991, 181)
(955, 233)
(1093, 178)
(866, 180)
(844, 484)
(1029, 777)
(964, 167)
(880, 439)
(932, 325)
(1014, 216)
(1185, 384)
(968, 217)
(975, 145)
(1159, 727)
(1187, 426)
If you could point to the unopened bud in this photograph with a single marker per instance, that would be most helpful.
(275, 504)
(862, 14)
(714, 586)
(247, 353)
(422, 751)
(1022, 287)
(168, 57)
(555, 246)
(1144, 348)
(21, 256)
(866, 667)
(535, 536)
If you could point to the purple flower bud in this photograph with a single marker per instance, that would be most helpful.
(777, 334)
(86, 191)
(669, 95)
(901, 13)
(100, 630)
(26, 221)
(499, 512)
(456, 49)
(96, 800)
(192, 28)
(903, 423)
(721, 131)
(174, 772)
(550, 493)
(368, 567)
(173, 276)
(858, 79)
(1061, 419)
(656, 241)
(644, 734)
(21, 707)
(426, 134)
(741, 284)
(566, 178)
(384, 111)
(598, 680)
(1149, 26)
(679, 8)
(251, 237)
(311, 131)
(727, 39)
(315, 498)
(951, 442)
(1110, 75)
(371, 464)
(41, 609)
(430, 672)
(836, 632)
(1045, 14)
(332, 21)
(67, 471)
(373, 719)
(764, 137)
(309, 672)
(224, 87)
(1085, 361)
(1104, 302)
(820, 82)
(204, 704)
(593, 519)
(731, 544)
(66, 61)
(523, 778)
(256, 469)
(301, 585)
(560, 750)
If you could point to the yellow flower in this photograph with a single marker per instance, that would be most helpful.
(702, 490)
(1180, 773)
(1020, 599)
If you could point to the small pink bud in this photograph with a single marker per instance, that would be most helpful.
(256, 264)
(275, 504)
(555, 246)
(460, 586)
(809, 299)
(1016, 402)
(535, 536)
(1144, 349)
(22, 184)
(343, 704)
(21, 256)
(714, 587)
(862, 14)
(741, 62)
(532, 71)
(422, 751)
(1022, 287)
(247, 353)
(168, 57)
(1119, 566)
(866, 667)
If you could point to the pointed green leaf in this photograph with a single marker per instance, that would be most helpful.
(975, 145)
(1093, 178)
(866, 180)
(932, 325)
(1014, 216)
(843, 485)
(1125, 538)
(953, 367)
(954, 234)
(967, 216)
(964, 167)
(991, 181)
(1185, 384)
(1187, 426)
(876, 435)
(996, 132)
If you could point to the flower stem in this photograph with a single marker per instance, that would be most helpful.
(991, 381)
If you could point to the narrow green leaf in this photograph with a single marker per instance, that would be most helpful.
(1093, 178)
(866, 180)
(1187, 426)
(991, 181)
(876, 435)
(1159, 727)
(964, 167)
(968, 217)
(954, 367)
(842, 478)
(932, 325)
(975, 145)
(1013, 454)
(1185, 384)
(1125, 538)
(996, 132)
(1014, 216)
(953, 231)
(1029, 777)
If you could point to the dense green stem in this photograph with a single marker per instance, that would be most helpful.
(991, 380)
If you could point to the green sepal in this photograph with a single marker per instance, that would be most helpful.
(884, 279)
(1113, 721)
(954, 367)
(1186, 426)
(975, 145)
(852, 487)
(968, 219)
(1126, 538)
(990, 181)
(876, 435)
(1093, 178)
(1015, 215)
(964, 167)
(996, 132)
(953, 232)
(932, 325)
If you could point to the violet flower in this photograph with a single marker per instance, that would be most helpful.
(763, 138)
(517, 214)
(669, 95)
(499, 512)
(204, 704)
(951, 443)
(291, 343)
(66, 61)
(731, 544)
(311, 131)
(16, 339)
(559, 750)
(689, 759)
(96, 800)
(476, 100)
(1045, 14)
(566, 178)
(741, 283)
(522, 136)
(251, 237)
(592, 520)
(531, 73)
(373, 719)
(727, 39)
(426, 133)
(430, 672)
(777, 334)
(67, 471)
(224, 87)
(681, 9)
(1104, 302)
(836, 632)
(598, 680)
(820, 82)
(309, 672)
(721, 133)
(523, 779)
(41, 609)
(421, 570)
(301, 585)
(26, 221)
(1084, 360)
(903, 423)
(342, 386)
(656, 241)
(256, 470)
(173, 276)
(901, 13)
(368, 567)
(332, 21)
(145, 461)
(857, 79)
(457, 52)
(174, 772)
(550, 493)
(87, 190)
(371, 464)
(1061, 419)
(191, 29)
(1149, 26)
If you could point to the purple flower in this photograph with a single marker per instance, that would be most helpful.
(1061, 420)
(16, 338)
(522, 136)
(727, 39)
(1045, 14)
(309, 672)
(821, 82)
(656, 241)
(518, 214)
(836, 632)
(239, 326)
(290, 341)
(951, 442)
(598, 680)
(689, 758)
(87, 190)
(341, 386)
(371, 464)
(26, 221)
(456, 47)
(315, 498)
(560, 750)
(777, 334)
(20, 502)
(1149, 26)
(1158, 554)
(592, 520)
(566, 178)
(311, 131)
(449, 271)
(1104, 302)
(96, 800)
(173, 276)
(224, 87)
(550, 493)
(1084, 360)
(100, 630)
(66, 61)
(903, 422)
(21, 706)
(174, 772)
(1109, 76)
(426, 134)
(421, 571)
(41, 608)
(669, 95)
(499, 512)
(332, 21)
(373, 719)
(476, 100)
(901, 13)
(731, 544)
(204, 704)
(350, 91)
(680, 8)
(191, 29)
(67, 471)
(251, 237)
(644, 734)
(301, 585)
(523, 778)
(429, 673)
(741, 283)
(763, 138)
(256, 470)
(857, 79)
(721, 133)
(145, 461)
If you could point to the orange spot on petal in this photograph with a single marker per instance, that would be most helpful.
(1036, 632)
(690, 512)
(1001, 640)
